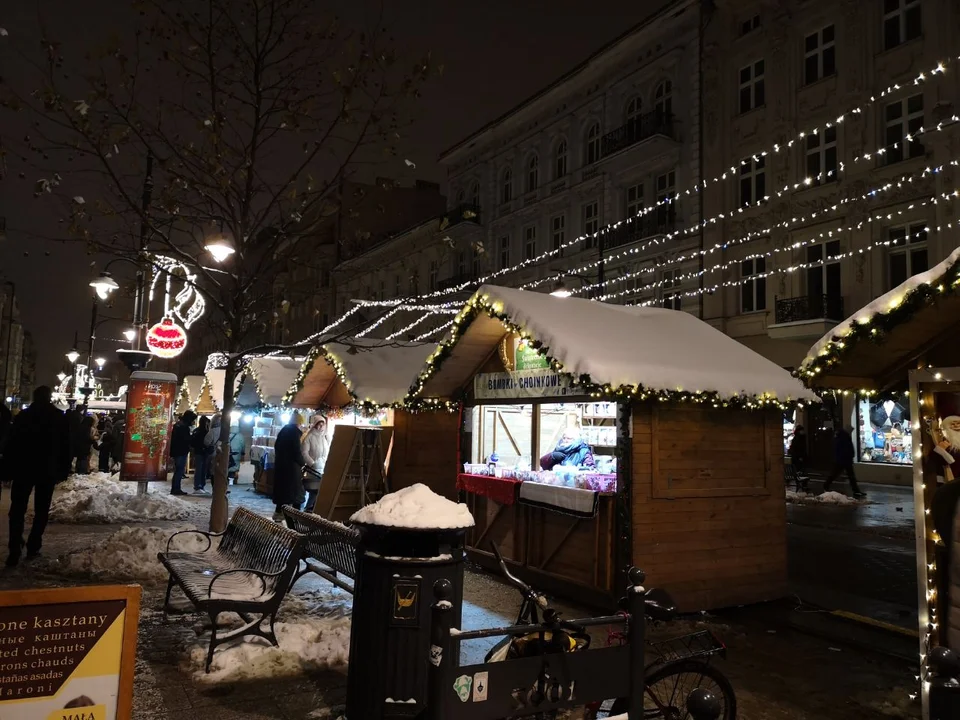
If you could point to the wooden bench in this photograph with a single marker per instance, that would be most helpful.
(247, 571)
(330, 550)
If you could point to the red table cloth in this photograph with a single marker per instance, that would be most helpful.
(501, 490)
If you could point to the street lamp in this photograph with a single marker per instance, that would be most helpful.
(61, 376)
(73, 356)
(104, 285)
(100, 363)
(561, 290)
(130, 334)
(220, 248)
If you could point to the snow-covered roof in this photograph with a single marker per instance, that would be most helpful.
(192, 385)
(271, 377)
(415, 507)
(215, 378)
(653, 348)
(931, 311)
(380, 372)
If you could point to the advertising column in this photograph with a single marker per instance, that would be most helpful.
(151, 399)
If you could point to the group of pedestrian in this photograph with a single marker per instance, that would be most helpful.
(299, 459)
(89, 432)
(843, 457)
(203, 443)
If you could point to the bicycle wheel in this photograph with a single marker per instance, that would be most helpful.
(667, 688)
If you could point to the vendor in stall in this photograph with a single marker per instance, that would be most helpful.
(571, 451)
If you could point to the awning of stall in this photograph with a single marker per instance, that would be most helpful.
(379, 372)
(876, 346)
(637, 348)
(265, 380)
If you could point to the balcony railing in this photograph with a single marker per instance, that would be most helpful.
(638, 229)
(640, 128)
(464, 212)
(810, 307)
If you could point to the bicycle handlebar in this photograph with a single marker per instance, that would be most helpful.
(519, 584)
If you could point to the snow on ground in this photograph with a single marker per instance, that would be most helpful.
(130, 554)
(828, 498)
(306, 644)
(101, 498)
(415, 507)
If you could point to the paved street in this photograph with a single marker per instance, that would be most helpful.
(857, 558)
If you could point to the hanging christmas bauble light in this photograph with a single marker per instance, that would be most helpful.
(166, 339)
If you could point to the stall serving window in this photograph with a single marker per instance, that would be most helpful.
(883, 430)
(564, 444)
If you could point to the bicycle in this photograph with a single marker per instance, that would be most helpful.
(680, 665)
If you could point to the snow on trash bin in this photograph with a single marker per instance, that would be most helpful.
(415, 508)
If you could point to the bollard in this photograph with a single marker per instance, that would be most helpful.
(703, 705)
(636, 634)
(441, 615)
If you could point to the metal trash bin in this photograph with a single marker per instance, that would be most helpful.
(390, 629)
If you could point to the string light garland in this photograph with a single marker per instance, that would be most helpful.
(411, 326)
(433, 332)
(480, 305)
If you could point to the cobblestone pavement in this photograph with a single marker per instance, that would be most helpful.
(779, 674)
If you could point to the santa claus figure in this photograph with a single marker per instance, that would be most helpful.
(946, 437)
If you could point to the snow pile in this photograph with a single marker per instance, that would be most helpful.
(306, 644)
(100, 498)
(415, 507)
(827, 498)
(130, 554)
(688, 354)
(882, 305)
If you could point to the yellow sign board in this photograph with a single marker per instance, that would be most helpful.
(68, 653)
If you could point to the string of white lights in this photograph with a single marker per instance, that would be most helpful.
(432, 333)
(379, 321)
(411, 326)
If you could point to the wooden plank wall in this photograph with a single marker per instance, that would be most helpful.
(425, 451)
(709, 517)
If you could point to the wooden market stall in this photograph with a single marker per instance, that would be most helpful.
(189, 393)
(896, 354)
(596, 436)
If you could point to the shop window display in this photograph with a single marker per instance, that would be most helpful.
(883, 429)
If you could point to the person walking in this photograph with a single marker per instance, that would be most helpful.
(74, 418)
(119, 429)
(288, 467)
(41, 437)
(179, 449)
(237, 449)
(86, 439)
(212, 440)
(105, 446)
(201, 456)
(843, 455)
(315, 446)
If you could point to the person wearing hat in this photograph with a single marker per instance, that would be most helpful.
(288, 467)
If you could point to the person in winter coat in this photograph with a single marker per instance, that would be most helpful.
(843, 455)
(212, 440)
(86, 439)
(179, 449)
(202, 455)
(42, 439)
(288, 467)
(798, 449)
(105, 446)
(571, 451)
(237, 449)
(6, 420)
(74, 418)
(116, 448)
(315, 446)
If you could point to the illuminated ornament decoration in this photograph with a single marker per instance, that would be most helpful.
(166, 339)
(188, 305)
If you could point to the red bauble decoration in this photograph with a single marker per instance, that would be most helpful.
(166, 339)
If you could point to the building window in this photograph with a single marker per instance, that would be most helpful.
(504, 252)
(432, 277)
(823, 279)
(461, 196)
(634, 109)
(753, 181)
(590, 214)
(663, 99)
(901, 22)
(461, 263)
(591, 151)
(533, 173)
(819, 55)
(415, 283)
(671, 297)
(666, 198)
(749, 25)
(822, 155)
(475, 194)
(506, 186)
(397, 287)
(560, 160)
(752, 91)
(903, 118)
(908, 252)
(753, 288)
(634, 200)
(475, 265)
(530, 242)
(558, 231)
(381, 290)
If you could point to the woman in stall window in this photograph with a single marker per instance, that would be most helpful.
(571, 451)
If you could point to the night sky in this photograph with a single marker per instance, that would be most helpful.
(495, 54)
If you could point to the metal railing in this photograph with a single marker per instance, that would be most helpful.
(635, 130)
(809, 307)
